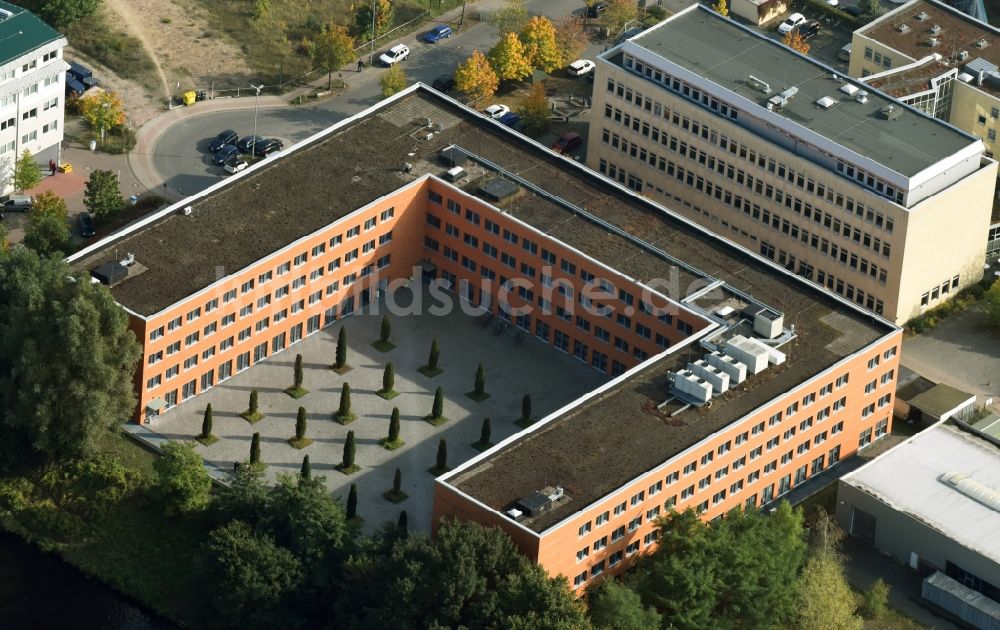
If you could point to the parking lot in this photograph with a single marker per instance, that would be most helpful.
(552, 378)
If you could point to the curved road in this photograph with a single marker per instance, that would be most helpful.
(180, 154)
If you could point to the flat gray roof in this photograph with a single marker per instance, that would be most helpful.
(724, 52)
(907, 478)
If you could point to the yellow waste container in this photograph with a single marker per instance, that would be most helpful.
(190, 97)
(66, 168)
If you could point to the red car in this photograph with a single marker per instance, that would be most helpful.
(567, 143)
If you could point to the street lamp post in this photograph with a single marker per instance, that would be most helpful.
(371, 55)
(256, 100)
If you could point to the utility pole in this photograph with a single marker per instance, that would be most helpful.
(371, 56)
(256, 100)
(461, 20)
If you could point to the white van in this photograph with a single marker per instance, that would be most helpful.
(845, 53)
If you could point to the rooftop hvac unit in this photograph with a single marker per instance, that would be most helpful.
(4, 14)
(539, 502)
(456, 173)
(187, 211)
(965, 77)
(768, 324)
(750, 355)
(981, 43)
(757, 84)
(128, 261)
(737, 371)
(862, 97)
(921, 16)
(935, 29)
(691, 388)
(963, 55)
(718, 379)
(933, 41)
(903, 28)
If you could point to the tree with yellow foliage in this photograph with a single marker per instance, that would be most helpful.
(476, 78)
(796, 42)
(721, 7)
(539, 39)
(102, 110)
(571, 40)
(509, 60)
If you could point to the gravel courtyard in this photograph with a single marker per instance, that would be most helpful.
(551, 377)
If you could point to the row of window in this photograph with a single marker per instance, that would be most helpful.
(693, 94)
(734, 149)
(939, 291)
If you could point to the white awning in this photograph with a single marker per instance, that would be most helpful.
(157, 404)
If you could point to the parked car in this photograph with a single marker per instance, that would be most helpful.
(853, 10)
(844, 54)
(511, 119)
(568, 142)
(235, 165)
(268, 147)
(596, 9)
(444, 83)
(246, 143)
(18, 203)
(496, 111)
(580, 67)
(791, 22)
(394, 55)
(226, 153)
(86, 225)
(809, 29)
(225, 137)
(833, 3)
(442, 31)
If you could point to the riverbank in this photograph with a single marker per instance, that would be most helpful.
(97, 516)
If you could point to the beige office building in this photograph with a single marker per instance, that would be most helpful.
(830, 178)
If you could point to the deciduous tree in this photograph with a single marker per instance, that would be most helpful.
(619, 14)
(991, 302)
(825, 599)
(102, 195)
(476, 78)
(27, 173)
(102, 110)
(794, 40)
(306, 520)
(509, 60)
(62, 13)
(509, 19)
(66, 358)
(392, 80)
(363, 18)
(721, 7)
(571, 40)
(534, 110)
(48, 234)
(182, 484)
(251, 574)
(332, 49)
(539, 39)
(616, 607)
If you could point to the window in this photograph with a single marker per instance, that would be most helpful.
(584, 529)
(600, 543)
(156, 334)
(618, 534)
(602, 518)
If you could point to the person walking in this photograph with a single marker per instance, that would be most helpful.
(52, 167)
(361, 65)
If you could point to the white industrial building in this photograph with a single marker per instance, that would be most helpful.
(32, 89)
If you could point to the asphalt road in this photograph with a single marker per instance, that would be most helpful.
(181, 154)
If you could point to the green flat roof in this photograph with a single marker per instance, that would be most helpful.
(724, 52)
(22, 32)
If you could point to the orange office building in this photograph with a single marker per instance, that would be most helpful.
(731, 380)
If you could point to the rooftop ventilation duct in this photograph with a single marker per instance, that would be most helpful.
(922, 16)
(757, 84)
(903, 28)
(933, 41)
(963, 55)
(538, 502)
(935, 29)
(826, 102)
(981, 43)
(975, 490)
(862, 97)
(849, 89)
(890, 112)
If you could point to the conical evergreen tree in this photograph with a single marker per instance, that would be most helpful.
(401, 525)
(345, 401)
(480, 387)
(255, 449)
(393, 426)
(298, 372)
(435, 355)
(442, 456)
(306, 471)
(385, 330)
(348, 460)
(341, 358)
(300, 424)
(253, 402)
(352, 502)
(526, 407)
(484, 433)
(206, 423)
(388, 377)
(397, 481)
(437, 409)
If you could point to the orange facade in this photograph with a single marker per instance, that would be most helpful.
(750, 463)
(487, 257)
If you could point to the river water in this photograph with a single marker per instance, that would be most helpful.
(38, 590)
